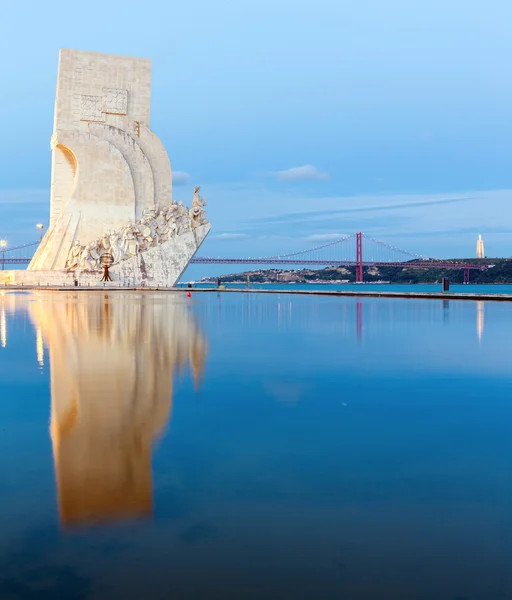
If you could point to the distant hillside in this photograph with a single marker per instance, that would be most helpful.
(499, 271)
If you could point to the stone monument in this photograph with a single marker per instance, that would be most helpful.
(111, 185)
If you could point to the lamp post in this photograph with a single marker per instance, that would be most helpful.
(40, 226)
(3, 244)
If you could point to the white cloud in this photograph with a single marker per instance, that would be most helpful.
(304, 173)
(230, 236)
(180, 178)
(324, 237)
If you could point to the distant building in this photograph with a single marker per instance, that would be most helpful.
(480, 247)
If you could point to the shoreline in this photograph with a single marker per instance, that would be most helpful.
(341, 293)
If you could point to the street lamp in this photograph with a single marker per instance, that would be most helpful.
(3, 244)
(40, 226)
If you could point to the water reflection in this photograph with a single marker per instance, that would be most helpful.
(112, 359)
(480, 320)
(3, 326)
(446, 310)
(9, 304)
(40, 347)
(5, 301)
(359, 320)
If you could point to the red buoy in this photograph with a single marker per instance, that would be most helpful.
(189, 295)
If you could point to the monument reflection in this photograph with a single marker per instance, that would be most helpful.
(112, 360)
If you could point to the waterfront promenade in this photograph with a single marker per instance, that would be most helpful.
(316, 292)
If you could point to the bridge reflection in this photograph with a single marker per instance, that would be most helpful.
(112, 361)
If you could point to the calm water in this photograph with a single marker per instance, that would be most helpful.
(505, 288)
(236, 446)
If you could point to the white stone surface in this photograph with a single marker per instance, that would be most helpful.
(102, 177)
(108, 170)
(162, 264)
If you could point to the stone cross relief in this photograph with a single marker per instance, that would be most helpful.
(158, 225)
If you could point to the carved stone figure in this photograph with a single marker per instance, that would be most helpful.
(162, 227)
(89, 259)
(149, 213)
(157, 226)
(139, 238)
(104, 246)
(197, 212)
(182, 219)
(172, 212)
(171, 220)
(149, 232)
(129, 241)
(73, 259)
(160, 219)
(116, 248)
(84, 255)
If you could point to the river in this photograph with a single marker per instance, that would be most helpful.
(233, 446)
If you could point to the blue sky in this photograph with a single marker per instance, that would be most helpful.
(301, 121)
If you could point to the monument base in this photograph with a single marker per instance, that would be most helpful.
(160, 266)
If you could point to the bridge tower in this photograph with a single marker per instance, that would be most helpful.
(359, 257)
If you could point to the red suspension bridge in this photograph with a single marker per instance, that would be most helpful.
(359, 250)
(356, 250)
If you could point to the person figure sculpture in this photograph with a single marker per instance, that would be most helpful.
(148, 232)
(149, 213)
(73, 259)
(104, 245)
(153, 226)
(197, 212)
(129, 243)
(116, 248)
(139, 237)
(90, 257)
(161, 226)
(171, 220)
(183, 218)
(158, 224)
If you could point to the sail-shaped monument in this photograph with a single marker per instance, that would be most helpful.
(111, 196)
